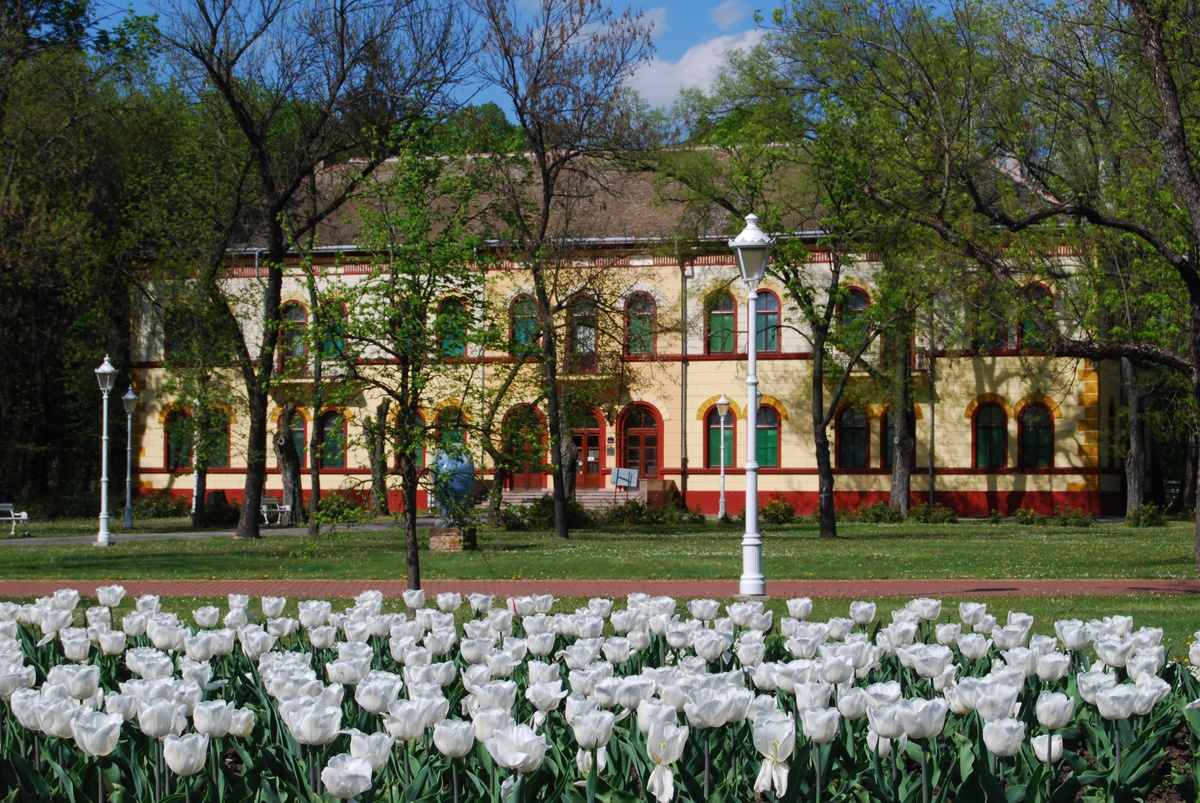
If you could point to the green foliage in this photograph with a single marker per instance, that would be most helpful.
(342, 507)
(539, 515)
(878, 513)
(994, 517)
(938, 514)
(1147, 515)
(777, 511)
(1067, 516)
(159, 505)
(218, 512)
(1027, 518)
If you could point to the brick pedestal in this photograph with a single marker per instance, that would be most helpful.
(451, 539)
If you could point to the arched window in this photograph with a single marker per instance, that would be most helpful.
(639, 325)
(766, 330)
(851, 438)
(581, 340)
(293, 336)
(990, 326)
(1036, 432)
(333, 321)
(451, 432)
(523, 438)
(1038, 308)
(721, 319)
(333, 440)
(451, 327)
(887, 437)
(766, 438)
(991, 436)
(854, 309)
(299, 436)
(713, 438)
(524, 322)
(639, 430)
(181, 431)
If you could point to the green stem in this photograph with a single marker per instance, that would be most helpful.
(707, 764)
(816, 755)
(924, 777)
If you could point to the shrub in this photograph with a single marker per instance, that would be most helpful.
(218, 512)
(938, 514)
(342, 507)
(994, 516)
(1026, 518)
(1067, 516)
(540, 514)
(879, 513)
(777, 511)
(159, 505)
(631, 512)
(1147, 515)
(513, 518)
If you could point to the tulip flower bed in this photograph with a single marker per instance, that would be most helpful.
(658, 700)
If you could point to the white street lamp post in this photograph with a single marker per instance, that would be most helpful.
(752, 247)
(195, 454)
(130, 400)
(106, 375)
(722, 410)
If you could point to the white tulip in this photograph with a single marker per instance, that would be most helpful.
(346, 776)
(186, 754)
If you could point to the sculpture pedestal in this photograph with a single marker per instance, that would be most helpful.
(451, 539)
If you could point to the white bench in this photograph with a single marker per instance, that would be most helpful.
(8, 513)
(272, 506)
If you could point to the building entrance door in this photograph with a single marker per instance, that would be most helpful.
(588, 439)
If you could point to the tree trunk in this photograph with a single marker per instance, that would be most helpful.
(496, 493)
(375, 433)
(256, 465)
(826, 515)
(1187, 489)
(902, 417)
(201, 494)
(570, 461)
(408, 490)
(1135, 458)
(289, 464)
(314, 471)
(553, 400)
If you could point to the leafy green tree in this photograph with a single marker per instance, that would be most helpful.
(1008, 128)
(293, 90)
(561, 67)
(69, 145)
(413, 325)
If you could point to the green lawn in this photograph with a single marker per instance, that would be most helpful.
(862, 551)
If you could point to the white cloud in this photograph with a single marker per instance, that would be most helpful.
(657, 17)
(659, 81)
(728, 14)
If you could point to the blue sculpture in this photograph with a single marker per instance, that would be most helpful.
(453, 486)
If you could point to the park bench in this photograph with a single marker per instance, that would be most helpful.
(272, 506)
(8, 513)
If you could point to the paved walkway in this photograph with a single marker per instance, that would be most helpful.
(683, 589)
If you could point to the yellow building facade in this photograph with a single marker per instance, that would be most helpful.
(1005, 428)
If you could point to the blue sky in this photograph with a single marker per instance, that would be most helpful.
(690, 37)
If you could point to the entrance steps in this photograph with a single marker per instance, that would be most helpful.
(590, 498)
